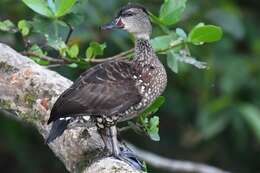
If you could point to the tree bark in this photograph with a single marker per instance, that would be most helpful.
(31, 90)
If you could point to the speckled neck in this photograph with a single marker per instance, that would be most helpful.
(143, 51)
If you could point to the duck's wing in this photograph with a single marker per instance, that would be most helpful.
(106, 89)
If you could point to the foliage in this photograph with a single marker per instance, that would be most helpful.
(51, 8)
(202, 33)
(94, 50)
(8, 26)
(171, 11)
(151, 125)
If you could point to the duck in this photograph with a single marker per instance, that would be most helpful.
(116, 90)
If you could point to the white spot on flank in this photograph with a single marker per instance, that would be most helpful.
(108, 119)
(86, 118)
(114, 117)
(99, 120)
(67, 118)
(99, 78)
(100, 126)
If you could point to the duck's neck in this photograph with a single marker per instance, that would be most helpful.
(143, 51)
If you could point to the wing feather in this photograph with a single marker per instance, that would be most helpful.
(107, 88)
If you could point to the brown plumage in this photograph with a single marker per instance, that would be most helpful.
(106, 89)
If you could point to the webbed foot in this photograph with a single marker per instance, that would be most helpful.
(129, 157)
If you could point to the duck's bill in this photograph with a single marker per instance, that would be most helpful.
(115, 24)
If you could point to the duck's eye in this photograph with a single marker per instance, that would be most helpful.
(127, 14)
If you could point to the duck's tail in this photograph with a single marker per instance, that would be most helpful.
(57, 129)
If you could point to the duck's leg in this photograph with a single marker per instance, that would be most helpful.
(122, 153)
(109, 136)
(115, 146)
(129, 157)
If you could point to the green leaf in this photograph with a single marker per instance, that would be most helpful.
(8, 26)
(184, 56)
(163, 42)
(42, 25)
(63, 7)
(39, 60)
(155, 19)
(153, 129)
(73, 51)
(89, 53)
(153, 107)
(95, 49)
(24, 27)
(38, 51)
(73, 19)
(172, 61)
(171, 11)
(251, 114)
(206, 33)
(73, 65)
(52, 6)
(57, 44)
(48, 26)
(150, 126)
(180, 32)
(39, 6)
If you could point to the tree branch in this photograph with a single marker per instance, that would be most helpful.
(120, 56)
(31, 90)
(71, 29)
(174, 165)
(43, 57)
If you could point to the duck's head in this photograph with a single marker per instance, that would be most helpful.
(134, 19)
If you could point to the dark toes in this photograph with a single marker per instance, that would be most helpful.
(129, 157)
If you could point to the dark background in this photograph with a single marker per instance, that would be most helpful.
(210, 116)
